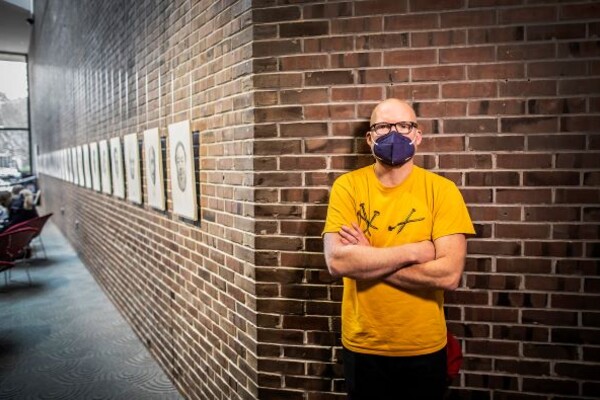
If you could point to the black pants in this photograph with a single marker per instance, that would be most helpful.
(370, 377)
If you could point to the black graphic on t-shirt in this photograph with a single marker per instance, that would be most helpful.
(362, 215)
(406, 221)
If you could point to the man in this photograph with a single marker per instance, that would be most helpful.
(396, 234)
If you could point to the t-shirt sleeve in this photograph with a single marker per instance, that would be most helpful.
(341, 210)
(450, 214)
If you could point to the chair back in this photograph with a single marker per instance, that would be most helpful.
(12, 244)
(37, 223)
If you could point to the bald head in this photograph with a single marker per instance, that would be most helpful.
(393, 110)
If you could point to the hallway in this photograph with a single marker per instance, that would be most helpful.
(61, 337)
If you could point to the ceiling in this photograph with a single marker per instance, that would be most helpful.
(15, 29)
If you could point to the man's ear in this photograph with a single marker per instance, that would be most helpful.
(369, 138)
(418, 137)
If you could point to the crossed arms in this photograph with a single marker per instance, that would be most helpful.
(435, 265)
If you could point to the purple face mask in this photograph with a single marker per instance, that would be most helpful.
(394, 149)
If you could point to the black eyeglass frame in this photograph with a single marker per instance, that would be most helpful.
(413, 125)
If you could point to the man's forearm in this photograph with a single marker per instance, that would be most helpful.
(367, 262)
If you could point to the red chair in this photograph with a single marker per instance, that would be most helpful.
(36, 223)
(12, 248)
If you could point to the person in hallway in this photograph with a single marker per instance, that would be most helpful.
(21, 208)
(5, 198)
(395, 233)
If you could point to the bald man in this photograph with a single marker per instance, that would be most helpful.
(395, 233)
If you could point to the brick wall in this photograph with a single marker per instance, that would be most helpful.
(240, 304)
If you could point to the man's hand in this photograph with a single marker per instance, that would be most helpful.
(353, 235)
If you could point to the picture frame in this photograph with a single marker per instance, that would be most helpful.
(116, 158)
(132, 168)
(87, 172)
(155, 189)
(74, 166)
(80, 168)
(95, 166)
(182, 173)
(105, 167)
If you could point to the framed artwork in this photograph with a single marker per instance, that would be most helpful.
(87, 172)
(116, 157)
(132, 168)
(105, 167)
(95, 164)
(80, 170)
(154, 173)
(75, 166)
(67, 161)
(182, 173)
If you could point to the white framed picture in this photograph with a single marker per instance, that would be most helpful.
(74, 165)
(105, 167)
(182, 173)
(132, 168)
(80, 169)
(95, 164)
(154, 173)
(116, 157)
(87, 172)
(67, 161)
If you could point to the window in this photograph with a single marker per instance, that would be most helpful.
(15, 160)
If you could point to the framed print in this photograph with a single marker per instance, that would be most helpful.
(105, 167)
(95, 166)
(154, 173)
(87, 172)
(74, 167)
(116, 157)
(181, 167)
(80, 171)
(132, 168)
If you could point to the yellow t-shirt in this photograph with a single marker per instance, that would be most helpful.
(378, 318)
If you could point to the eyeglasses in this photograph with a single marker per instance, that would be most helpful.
(402, 127)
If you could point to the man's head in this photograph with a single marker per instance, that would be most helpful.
(393, 133)
(180, 165)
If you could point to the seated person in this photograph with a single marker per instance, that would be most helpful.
(21, 208)
(5, 198)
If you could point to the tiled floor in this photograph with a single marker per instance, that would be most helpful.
(61, 338)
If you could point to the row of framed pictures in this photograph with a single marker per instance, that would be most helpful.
(113, 167)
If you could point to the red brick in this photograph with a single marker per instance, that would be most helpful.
(355, 59)
(301, 130)
(551, 178)
(466, 90)
(577, 195)
(331, 11)
(470, 126)
(498, 143)
(582, 49)
(356, 93)
(549, 142)
(461, 161)
(556, 32)
(356, 25)
(438, 38)
(496, 71)
(276, 48)
(529, 125)
(306, 96)
(334, 111)
(479, 54)
(467, 18)
(526, 196)
(557, 106)
(441, 73)
(411, 22)
(298, 29)
(525, 52)
(521, 15)
(552, 249)
(579, 86)
(409, 57)
(387, 41)
(412, 92)
(372, 7)
(524, 265)
(496, 35)
(328, 78)
(303, 62)
(440, 108)
(555, 68)
(276, 14)
(522, 231)
(496, 107)
(579, 11)
(582, 123)
(437, 144)
(392, 75)
(492, 179)
(494, 247)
